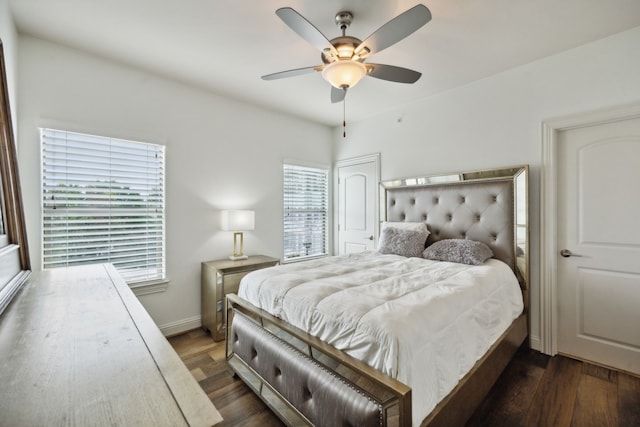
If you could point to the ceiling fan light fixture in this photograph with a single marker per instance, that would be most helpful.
(341, 74)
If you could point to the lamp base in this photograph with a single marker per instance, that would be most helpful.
(238, 246)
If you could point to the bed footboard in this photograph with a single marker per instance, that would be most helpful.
(322, 397)
(313, 386)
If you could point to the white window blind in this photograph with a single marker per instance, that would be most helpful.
(306, 212)
(103, 201)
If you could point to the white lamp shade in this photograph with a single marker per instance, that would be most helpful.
(344, 73)
(238, 220)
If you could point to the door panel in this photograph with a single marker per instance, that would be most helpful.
(357, 188)
(355, 208)
(608, 175)
(598, 221)
(601, 314)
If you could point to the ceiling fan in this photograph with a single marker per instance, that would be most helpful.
(344, 57)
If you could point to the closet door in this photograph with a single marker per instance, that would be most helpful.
(357, 206)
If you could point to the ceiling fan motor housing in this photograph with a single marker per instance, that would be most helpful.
(345, 46)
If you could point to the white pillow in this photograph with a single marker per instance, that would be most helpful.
(415, 226)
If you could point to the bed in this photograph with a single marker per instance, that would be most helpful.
(376, 338)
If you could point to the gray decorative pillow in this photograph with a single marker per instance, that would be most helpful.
(462, 251)
(409, 243)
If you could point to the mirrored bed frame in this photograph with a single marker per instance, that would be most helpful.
(489, 206)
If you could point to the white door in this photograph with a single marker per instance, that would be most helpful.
(599, 229)
(357, 207)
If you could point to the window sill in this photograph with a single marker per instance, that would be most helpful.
(152, 287)
(301, 259)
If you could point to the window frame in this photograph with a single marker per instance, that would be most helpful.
(127, 194)
(11, 206)
(326, 169)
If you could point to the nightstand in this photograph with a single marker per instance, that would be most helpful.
(221, 277)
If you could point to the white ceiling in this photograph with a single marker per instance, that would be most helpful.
(226, 45)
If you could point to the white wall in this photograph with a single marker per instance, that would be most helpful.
(221, 154)
(497, 122)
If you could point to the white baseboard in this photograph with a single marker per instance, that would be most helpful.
(180, 326)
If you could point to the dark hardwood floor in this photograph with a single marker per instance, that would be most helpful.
(534, 390)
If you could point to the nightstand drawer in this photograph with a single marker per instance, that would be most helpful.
(222, 277)
(231, 281)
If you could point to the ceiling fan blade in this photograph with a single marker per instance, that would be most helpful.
(337, 95)
(392, 73)
(395, 30)
(305, 29)
(292, 73)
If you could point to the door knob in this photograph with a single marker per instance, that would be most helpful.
(370, 237)
(567, 253)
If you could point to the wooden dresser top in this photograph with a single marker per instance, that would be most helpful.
(78, 348)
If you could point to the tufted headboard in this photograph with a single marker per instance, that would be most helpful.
(486, 206)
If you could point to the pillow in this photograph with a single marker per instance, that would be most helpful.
(398, 241)
(462, 251)
(415, 226)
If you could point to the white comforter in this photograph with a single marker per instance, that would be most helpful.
(422, 322)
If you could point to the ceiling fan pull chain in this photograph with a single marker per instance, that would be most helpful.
(344, 117)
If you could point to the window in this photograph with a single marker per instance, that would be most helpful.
(103, 201)
(306, 212)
